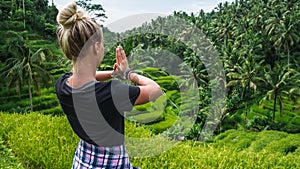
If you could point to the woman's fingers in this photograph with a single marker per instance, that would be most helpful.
(115, 66)
(121, 61)
(118, 55)
(123, 54)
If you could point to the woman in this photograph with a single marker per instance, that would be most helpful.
(94, 105)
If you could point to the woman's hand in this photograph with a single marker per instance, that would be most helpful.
(121, 64)
(149, 89)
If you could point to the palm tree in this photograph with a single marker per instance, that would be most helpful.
(95, 11)
(294, 93)
(23, 64)
(282, 28)
(245, 74)
(279, 81)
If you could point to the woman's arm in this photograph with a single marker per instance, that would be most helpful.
(104, 75)
(149, 89)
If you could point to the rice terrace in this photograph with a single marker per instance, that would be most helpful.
(230, 81)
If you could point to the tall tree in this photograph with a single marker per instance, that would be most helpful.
(25, 64)
(96, 11)
(282, 28)
(279, 81)
(245, 74)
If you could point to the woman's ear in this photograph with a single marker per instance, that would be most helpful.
(97, 47)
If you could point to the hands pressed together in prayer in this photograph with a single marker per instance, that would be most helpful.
(149, 89)
(121, 68)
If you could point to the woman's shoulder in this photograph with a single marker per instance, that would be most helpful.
(61, 82)
(64, 76)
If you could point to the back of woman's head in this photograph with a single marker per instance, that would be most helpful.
(75, 30)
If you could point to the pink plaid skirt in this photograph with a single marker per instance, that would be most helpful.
(88, 156)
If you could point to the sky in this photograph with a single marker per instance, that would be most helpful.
(144, 10)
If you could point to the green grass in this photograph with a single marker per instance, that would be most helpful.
(193, 156)
(7, 158)
(43, 141)
(39, 141)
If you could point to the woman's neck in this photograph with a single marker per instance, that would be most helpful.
(82, 74)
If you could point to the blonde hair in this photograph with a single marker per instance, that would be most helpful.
(75, 30)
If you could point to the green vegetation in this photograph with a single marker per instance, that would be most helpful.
(46, 102)
(260, 67)
(257, 42)
(268, 141)
(43, 141)
(29, 137)
(7, 158)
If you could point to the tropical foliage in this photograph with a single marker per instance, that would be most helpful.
(259, 51)
(236, 67)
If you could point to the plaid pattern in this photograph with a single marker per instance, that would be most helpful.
(88, 156)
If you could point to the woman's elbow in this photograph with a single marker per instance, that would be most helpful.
(156, 92)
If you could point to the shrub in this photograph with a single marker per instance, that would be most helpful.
(230, 122)
(258, 109)
(53, 111)
(286, 145)
(265, 138)
(238, 140)
(259, 123)
(296, 120)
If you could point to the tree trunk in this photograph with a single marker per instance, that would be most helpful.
(288, 52)
(24, 14)
(243, 92)
(274, 108)
(246, 105)
(246, 116)
(30, 94)
(281, 106)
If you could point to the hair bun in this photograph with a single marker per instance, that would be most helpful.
(69, 15)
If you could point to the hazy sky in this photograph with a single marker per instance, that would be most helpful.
(118, 9)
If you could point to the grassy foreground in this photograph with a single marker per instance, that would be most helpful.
(7, 158)
(43, 141)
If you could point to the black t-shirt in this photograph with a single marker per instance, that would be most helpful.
(96, 110)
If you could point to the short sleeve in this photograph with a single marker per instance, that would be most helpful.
(134, 92)
(123, 95)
